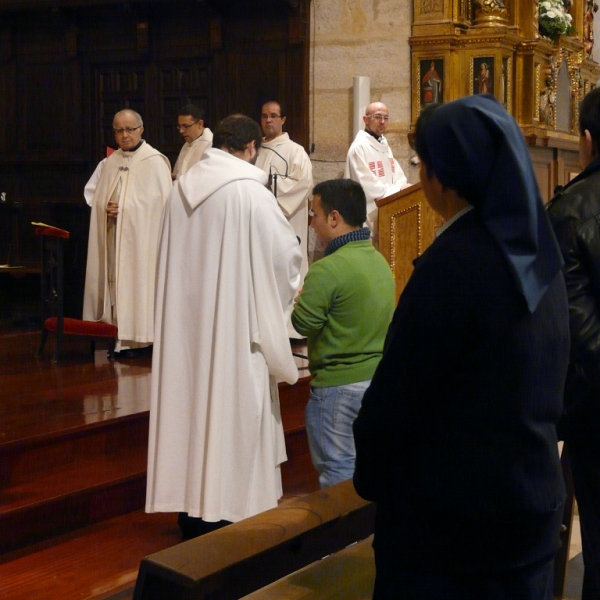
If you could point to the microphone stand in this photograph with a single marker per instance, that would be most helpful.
(273, 176)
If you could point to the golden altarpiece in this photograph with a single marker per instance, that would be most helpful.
(462, 47)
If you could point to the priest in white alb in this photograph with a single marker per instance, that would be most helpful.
(289, 170)
(127, 205)
(371, 163)
(197, 138)
(228, 270)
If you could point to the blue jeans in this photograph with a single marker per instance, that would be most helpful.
(330, 413)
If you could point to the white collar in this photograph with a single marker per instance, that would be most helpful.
(452, 220)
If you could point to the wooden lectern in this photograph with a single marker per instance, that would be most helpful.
(407, 225)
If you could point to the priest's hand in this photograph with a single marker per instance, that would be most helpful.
(112, 210)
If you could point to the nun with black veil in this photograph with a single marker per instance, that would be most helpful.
(456, 439)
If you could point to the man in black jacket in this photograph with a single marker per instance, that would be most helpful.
(575, 215)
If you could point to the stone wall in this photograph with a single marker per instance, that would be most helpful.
(352, 38)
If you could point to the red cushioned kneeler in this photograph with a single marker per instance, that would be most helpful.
(52, 294)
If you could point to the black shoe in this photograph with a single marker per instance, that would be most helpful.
(135, 352)
(192, 527)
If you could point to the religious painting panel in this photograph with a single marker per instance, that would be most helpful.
(431, 77)
(430, 83)
(482, 75)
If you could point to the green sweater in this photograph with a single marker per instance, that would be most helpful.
(344, 310)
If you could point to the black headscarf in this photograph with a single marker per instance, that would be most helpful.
(476, 148)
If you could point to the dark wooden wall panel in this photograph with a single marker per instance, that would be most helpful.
(8, 123)
(50, 116)
(116, 88)
(66, 67)
(179, 84)
(254, 76)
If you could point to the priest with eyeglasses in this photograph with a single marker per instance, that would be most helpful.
(371, 163)
(197, 138)
(127, 205)
(290, 174)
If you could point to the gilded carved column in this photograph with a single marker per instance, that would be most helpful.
(489, 13)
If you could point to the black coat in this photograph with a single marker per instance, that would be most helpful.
(575, 216)
(456, 438)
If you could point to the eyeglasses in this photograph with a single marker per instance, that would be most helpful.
(379, 117)
(263, 116)
(125, 130)
(185, 126)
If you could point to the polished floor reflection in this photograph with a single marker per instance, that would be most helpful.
(40, 397)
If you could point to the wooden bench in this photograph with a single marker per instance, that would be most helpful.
(278, 554)
(246, 556)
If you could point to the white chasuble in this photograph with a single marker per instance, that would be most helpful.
(141, 181)
(372, 164)
(192, 152)
(293, 168)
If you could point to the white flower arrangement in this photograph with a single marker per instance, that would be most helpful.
(554, 20)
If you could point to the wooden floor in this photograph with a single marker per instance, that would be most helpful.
(73, 448)
(98, 561)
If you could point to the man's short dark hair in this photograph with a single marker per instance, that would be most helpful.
(589, 116)
(281, 107)
(234, 133)
(345, 196)
(195, 111)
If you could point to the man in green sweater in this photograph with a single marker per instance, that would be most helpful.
(344, 310)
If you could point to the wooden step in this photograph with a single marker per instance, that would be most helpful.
(32, 457)
(78, 479)
(69, 497)
(94, 562)
(74, 438)
(53, 482)
(100, 561)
